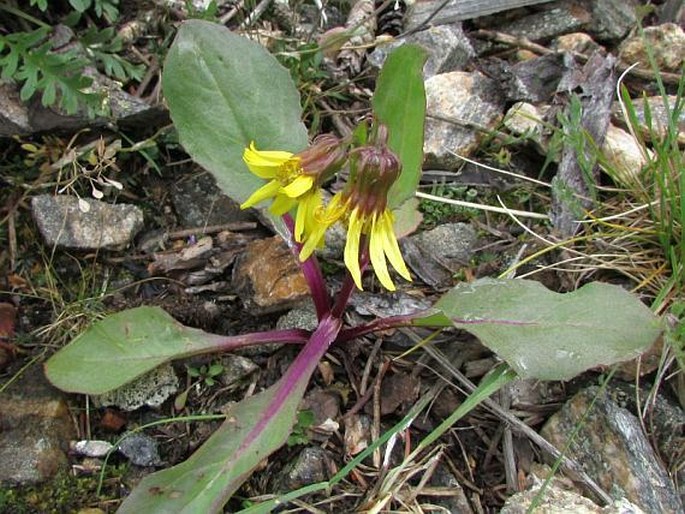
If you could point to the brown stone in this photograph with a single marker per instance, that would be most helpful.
(268, 277)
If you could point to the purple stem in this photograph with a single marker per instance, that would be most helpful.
(298, 374)
(227, 343)
(312, 273)
(405, 320)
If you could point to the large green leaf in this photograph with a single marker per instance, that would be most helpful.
(208, 478)
(224, 91)
(546, 335)
(400, 103)
(254, 428)
(123, 346)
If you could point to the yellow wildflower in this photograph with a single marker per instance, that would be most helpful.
(294, 179)
(363, 205)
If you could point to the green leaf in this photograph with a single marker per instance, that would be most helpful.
(224, 91)
(80, 5)
(205, 481)
(407, 217)
(400, 103)
(123, 346)
(254, 428)
(546, 335)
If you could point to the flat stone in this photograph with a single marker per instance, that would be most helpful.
(437, 254)
(151, 389)
(604, 20)
(199, 202)
(435, 13)
(268, 278)
(459, 107)
(35, 430)
(666, 43)
(612, 449)
(447, 46)
(62, 222)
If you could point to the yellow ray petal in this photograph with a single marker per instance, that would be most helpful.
(266, 191)
(354, 233)
(282, 204)
(265, 164)
(377, 254)
(306, 210)
(299, 186)
(391, 247)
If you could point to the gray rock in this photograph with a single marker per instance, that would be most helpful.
(24, 118)
(62, 222)
(35, 430)
(535, 80)
(605, 20)
(14, 114)
(660, 116)
(151, 389)
(435, 255)
(434, 13)
(141, 450)
(199, 202)
(459, 107)
(611, 20)
(302, 316)
(309, 467)
(448, 49)
(387, 304)
(236, 369)
(612, 449)
(666, 43)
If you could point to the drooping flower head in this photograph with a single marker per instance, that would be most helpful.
(294, 179)
(363, 206)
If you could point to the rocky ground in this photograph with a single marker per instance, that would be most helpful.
(100, 215)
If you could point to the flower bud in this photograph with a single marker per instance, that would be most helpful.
(323, 158)
(373, 170)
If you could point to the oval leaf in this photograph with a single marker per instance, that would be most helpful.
(399, 102)
(548, 335)
(125, 345)
(224, 91)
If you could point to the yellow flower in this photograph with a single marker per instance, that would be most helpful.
(294, 179)
(363, 206)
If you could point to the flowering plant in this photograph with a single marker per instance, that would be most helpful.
(247, 132)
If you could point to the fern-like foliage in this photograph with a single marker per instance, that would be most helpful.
(26, 58)
(103, 46)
